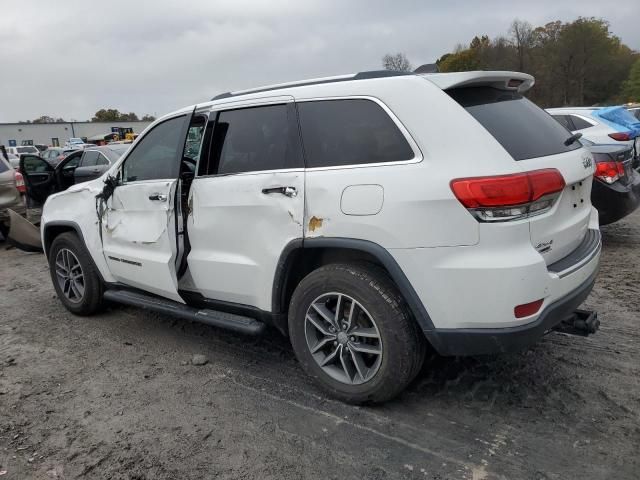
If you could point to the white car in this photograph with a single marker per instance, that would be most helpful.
(365, 216)
(17, 151)
(582, 120)
(74, 143)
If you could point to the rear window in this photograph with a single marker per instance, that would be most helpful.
(350, 132)
(26, 149)
(521, 127)
(580, 123)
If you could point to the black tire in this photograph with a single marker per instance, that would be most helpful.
(403, 343)
(92, 299)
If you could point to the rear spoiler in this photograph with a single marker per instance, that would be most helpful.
(515, 81)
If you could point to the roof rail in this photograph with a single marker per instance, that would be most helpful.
(358, 76)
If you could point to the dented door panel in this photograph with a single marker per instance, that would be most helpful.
(237, 233)
(138, 231)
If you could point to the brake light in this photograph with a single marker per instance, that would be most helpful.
(509, 197)
(609, 172)
(527, 309)
(620, 136)
(20, 183)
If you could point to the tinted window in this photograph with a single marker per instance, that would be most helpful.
(521, 127)
(253, 139)
(102, 160)
(156, 156)
(350, 132)
(579, 123)
(4, 165)
(564, 121)
(89, 158)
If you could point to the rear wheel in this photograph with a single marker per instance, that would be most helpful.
(352, 332)
(74, 275)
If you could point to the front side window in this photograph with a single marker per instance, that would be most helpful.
(253, 139)
(350, 132)
(156, 156)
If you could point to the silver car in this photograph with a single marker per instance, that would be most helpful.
(10, 197)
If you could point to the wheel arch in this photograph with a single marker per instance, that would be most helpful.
(301, 256)
(57, 228)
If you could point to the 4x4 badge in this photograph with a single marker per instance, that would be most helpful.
(587, 162)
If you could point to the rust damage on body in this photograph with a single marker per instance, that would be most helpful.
(315, 223)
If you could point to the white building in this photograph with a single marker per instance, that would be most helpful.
(54, 134)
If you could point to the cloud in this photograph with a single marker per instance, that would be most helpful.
(69, 58)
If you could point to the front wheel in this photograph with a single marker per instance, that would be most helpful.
(75, 277)
(352, 332)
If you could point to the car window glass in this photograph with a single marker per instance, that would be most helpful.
(522, 128)
(89, 158)
(156, 155)
(73, 162)
(253, 139)
(33, 164)
(564, 121)
(102, 160)
(350, 132)
(4, 165)
(579, 123)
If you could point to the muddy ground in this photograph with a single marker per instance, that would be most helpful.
(116, 396)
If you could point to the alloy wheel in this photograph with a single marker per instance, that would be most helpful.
(343, 338)
(69, 275)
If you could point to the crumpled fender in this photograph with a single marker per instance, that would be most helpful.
(23, 234)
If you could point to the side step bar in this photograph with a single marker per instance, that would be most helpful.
(229, 321)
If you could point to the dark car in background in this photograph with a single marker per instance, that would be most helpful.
(616, 184)
(42, 179)
(55, 155)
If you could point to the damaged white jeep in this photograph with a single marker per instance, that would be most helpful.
(368, 217)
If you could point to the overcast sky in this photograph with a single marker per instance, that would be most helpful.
(68, 58)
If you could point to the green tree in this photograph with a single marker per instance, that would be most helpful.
(106, 115)
(148, 118)
(631, 87)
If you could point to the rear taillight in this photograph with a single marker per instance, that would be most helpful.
(509, 197)
(621, 136)
(20, 183)
(609, 172)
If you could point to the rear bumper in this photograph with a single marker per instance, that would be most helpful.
(616, 201)
(481, 341)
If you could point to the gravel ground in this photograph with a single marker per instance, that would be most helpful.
(118, 396)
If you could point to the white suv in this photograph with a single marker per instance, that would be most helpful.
(365, 216)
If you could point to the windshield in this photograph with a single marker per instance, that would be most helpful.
(521, 127)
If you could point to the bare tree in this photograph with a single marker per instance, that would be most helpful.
(398, 62)
(523, 37)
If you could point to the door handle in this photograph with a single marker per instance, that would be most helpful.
(288, 191)
(158, 197)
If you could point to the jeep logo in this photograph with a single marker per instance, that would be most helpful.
(587, 162)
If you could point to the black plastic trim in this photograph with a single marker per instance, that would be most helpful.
(586, 249)
(380, 253)
(480, 341)
(358, 76)
(229, 321)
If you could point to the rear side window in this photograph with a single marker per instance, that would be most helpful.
(579, 123)
(350, 132)
(522, 128)
(564, 121)
(254, 139)
(90, 158)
